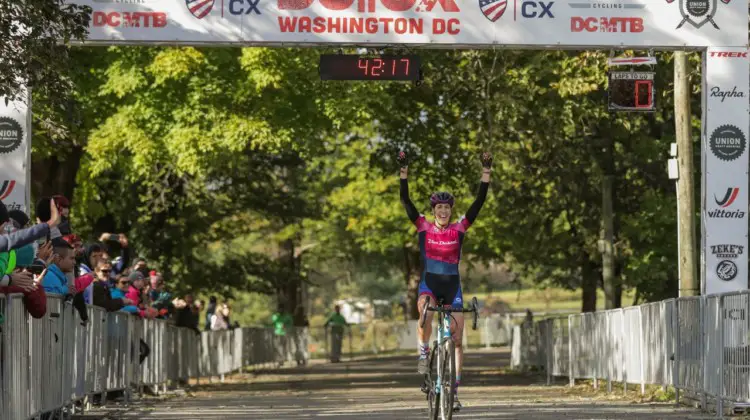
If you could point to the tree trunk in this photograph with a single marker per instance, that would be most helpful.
(589, 285)
(288, 289)
(606, 243)
(52, 175)
(412, 278)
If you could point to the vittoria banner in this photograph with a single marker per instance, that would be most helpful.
(725, 173)
(15, 154)
(621, 23)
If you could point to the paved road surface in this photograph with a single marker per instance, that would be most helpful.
(386, 388)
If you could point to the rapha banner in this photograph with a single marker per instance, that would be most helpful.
(725, 173)
(15, 154)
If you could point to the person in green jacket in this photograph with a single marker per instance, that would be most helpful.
(282, 325)
(337, 322)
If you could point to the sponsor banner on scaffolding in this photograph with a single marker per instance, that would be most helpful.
(621, 23)
(15, 141)
(725, 177)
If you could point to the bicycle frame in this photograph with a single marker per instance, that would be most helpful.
(443, 334)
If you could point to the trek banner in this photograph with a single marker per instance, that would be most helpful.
(15, 154)
(726, 88)
(434, 23)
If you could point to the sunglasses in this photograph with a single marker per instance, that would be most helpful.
(123, 282)
(105, 271)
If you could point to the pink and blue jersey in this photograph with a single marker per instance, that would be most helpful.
(440, 249)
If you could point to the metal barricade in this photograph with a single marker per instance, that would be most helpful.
(65, 360)
(16, 357)
(118, 351)
(734, 354)
(96, 354)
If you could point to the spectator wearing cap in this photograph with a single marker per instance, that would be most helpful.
(137, 282)
(61, 263)
(140, 264)
(77, 244)
(24, 281)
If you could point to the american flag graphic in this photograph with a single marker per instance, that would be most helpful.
(200, 8)
(493, 9)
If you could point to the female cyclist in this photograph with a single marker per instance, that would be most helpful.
(440, 248)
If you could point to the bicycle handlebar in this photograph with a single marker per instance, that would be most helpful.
(447, 310)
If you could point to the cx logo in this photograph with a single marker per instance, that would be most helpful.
(6, 189)
(537, 9)
(729, 197)
(243, 7)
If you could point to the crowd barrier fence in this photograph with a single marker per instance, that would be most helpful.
(58, 363)
(698, 345)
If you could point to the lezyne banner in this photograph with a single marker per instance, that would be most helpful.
(488, 23)
(726, 89)
(15, 154)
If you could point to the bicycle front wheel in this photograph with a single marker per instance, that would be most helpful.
(447, 378)
(433, 397)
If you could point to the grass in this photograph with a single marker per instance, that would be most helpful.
(551, 299)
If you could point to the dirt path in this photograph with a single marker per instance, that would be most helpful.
(387, 388)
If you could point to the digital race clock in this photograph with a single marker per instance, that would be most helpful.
(384, 67)
(631, 91)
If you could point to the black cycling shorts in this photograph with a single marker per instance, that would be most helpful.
(442, 286)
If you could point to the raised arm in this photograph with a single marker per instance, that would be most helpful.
(484, 185)
(411, 211)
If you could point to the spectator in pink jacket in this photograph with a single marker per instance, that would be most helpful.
(137, 281)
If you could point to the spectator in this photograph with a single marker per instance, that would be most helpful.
(210, 310)
(122, 285)
(63, 206)
(13, 239)
(159, 298)
(61, 263)
(337, 323)
(23, 281)
(120, 263)
(19, 238)
(19, 219)
(98, 289)
(185, 315)
(197, 308)
(75, 241)
(90, 258)
(282, 323)
(135, 292)
(140, 265)
(44, 212)
(219, 319)
(225, 312)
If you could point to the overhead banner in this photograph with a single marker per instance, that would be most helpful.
(472, 23)
(726, 84)
(15, 154)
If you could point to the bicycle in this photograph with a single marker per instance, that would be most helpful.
(441, 377)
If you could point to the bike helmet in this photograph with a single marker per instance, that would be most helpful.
(441, 198)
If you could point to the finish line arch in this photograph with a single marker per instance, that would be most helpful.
(717, 27)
